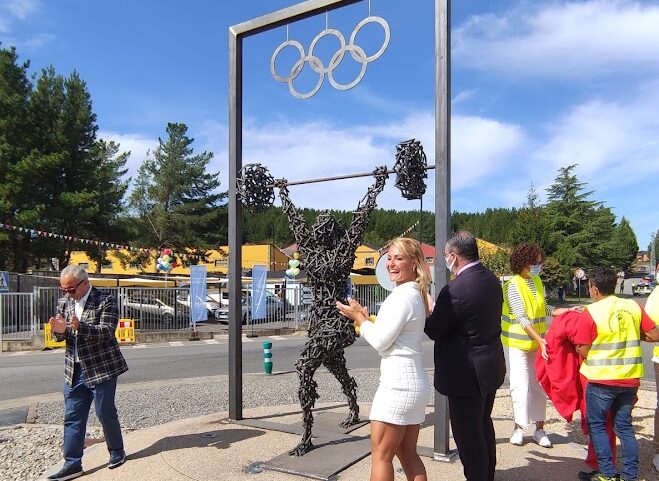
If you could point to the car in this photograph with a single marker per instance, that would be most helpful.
(148, 309)
(211, 304)
(275, 310)
(643, 288)
(648, 278)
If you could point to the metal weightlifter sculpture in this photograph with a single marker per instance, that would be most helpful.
(328, 249)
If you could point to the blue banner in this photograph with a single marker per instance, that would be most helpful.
(258, 292)
(4, 281)
(198, 310)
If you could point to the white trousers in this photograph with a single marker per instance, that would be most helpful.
(529, 399)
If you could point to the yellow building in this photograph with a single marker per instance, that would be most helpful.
(366, 257)
(217, 261)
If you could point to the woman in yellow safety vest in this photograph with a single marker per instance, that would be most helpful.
(652, 309)
(523, 324)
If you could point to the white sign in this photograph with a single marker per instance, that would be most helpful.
(258, 292)
(307, 296)
(198, 311)
(4, 281)
(579, 274)
(382, 274)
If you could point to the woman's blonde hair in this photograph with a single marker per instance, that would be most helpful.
(411, 248)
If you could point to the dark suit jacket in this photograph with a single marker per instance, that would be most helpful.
(466, 327)
(98, 350)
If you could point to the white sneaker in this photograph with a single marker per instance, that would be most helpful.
(517, 437)
(655, 461)
(540, 437)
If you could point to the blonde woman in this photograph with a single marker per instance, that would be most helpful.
(399, 404)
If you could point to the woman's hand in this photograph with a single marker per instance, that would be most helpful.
(543, 349)
(353, 310)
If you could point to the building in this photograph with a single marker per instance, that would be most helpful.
(217, 261)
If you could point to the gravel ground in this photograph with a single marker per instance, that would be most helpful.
(27, 451)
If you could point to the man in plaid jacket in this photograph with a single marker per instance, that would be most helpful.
(87, 319)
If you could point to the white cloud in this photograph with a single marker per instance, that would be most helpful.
(12, 11)
(320, 149)
(566, 39)
(137, 144)
(21, 8)
(615, 144)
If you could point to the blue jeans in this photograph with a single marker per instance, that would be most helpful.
(77, 402)
(619, 400)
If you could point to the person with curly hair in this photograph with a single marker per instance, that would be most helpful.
(523, 324)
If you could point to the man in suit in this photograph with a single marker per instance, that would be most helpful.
(469, 363)
(87, 319)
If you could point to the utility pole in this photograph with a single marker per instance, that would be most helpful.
(653, 254)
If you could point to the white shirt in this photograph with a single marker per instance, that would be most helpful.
(466, 267)
(80, 304)
(79, 307)
(398, 330)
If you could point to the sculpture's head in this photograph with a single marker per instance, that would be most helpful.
(327, 231)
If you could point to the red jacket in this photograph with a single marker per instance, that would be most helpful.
(559, 376)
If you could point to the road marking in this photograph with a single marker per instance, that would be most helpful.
(139, 346)
(175, 343)
(19, 353)
(248, 339)
(278, 338)
(211, 341)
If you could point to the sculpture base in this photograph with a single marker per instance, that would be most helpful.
(334, 448)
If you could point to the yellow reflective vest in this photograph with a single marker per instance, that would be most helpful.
(512, 332)
(616, 351)
(652, 308)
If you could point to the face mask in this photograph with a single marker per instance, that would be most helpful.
(536, 269)
(449, 265)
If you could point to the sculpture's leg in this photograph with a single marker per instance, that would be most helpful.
(310, 359)
(337, 366)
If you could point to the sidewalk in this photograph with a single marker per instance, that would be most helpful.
(212, 448)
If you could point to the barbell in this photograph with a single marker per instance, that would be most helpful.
(255, 184)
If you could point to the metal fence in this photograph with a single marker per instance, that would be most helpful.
(23, 315)
(16, 316)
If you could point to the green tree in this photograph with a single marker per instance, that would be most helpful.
(554, 274)
(623, 245)
(62, 179)
(531, 223)
(498, 261)
(176, 203)
(579, 228)
(16, 141)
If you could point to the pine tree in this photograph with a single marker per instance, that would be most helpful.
(16, 142)
(175, 201)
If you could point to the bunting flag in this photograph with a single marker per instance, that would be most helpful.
(41, 233)
(385, 247)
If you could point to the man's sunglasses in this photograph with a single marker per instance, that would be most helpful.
(71, 290)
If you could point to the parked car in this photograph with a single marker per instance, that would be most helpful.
(275, 310)
(643, 288)
(211, 304)
(148, 309)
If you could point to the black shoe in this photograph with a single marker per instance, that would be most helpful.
(65, 473)
(117, 458)
(586, 475)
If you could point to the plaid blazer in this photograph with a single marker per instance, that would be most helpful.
(98, 350)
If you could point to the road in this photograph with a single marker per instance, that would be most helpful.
(37, 373)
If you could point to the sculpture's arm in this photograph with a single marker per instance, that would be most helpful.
(299, 227)
(361, 216)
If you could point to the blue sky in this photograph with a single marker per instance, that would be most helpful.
(536, 85)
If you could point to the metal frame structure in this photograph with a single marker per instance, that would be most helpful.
(442, 177)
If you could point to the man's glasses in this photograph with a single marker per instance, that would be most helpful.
(71, 290)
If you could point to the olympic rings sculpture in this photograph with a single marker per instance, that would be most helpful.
(316, 64)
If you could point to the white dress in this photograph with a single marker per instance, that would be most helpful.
(397, 335)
